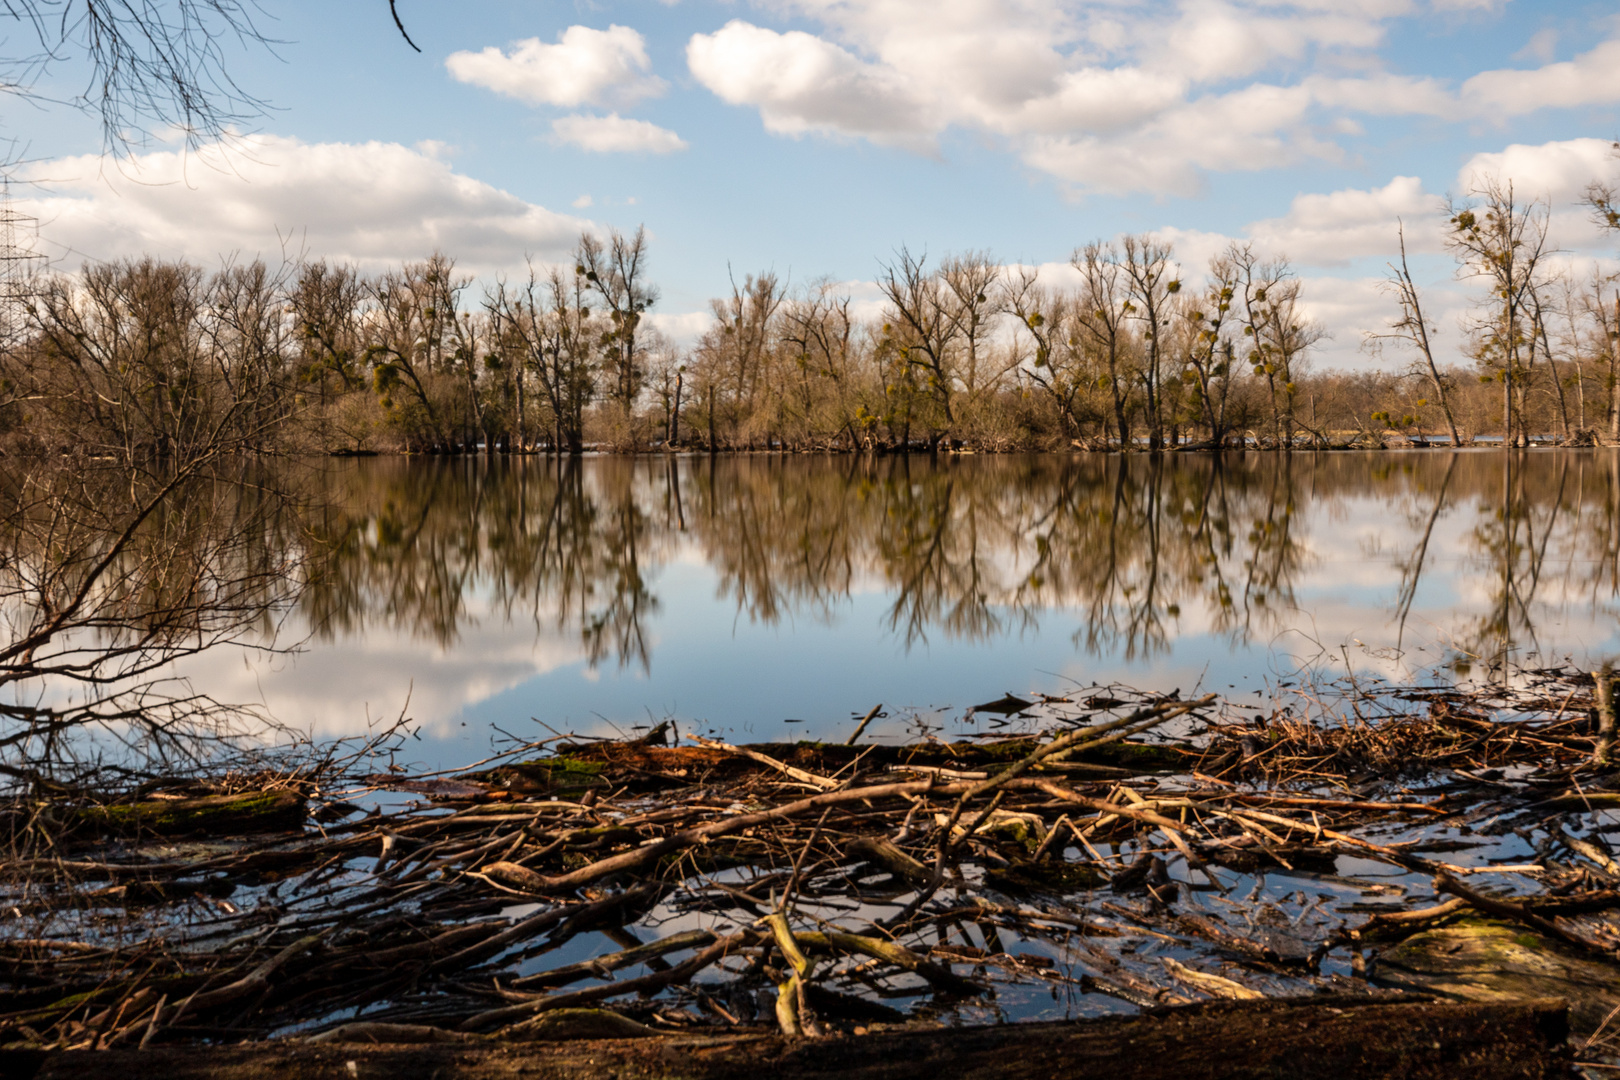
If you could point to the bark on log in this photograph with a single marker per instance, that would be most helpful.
(212, 815)
(1305, 1038)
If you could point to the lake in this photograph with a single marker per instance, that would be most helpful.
(781, 597)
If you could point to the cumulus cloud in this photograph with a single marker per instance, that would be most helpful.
(1115, 97)
(1099, 100)
(614, 134)
(1332, 229)
(584, 67)
(1257, 127)
(1556, 171)
(801, 83)
(1383, 94)
(1593, 78)
(372, 203)
(683, 328)
(1220, 41)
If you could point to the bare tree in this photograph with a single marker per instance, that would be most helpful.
(975, 295)
(1605, 316)
(423, 354)
(548, 329)
(1278, 333)
(1058, 364)
(1502, 241)
(822, 335)
(617, 272)
(1150, 273)
(921, 306)
(1413, 329)
(1209, 349)
(736, 354)
(1102, 313)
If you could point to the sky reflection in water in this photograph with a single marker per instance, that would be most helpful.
(742, 593)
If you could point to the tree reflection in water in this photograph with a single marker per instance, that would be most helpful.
(963, 548)
(1494, 554)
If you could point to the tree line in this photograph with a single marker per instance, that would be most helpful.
(151, 359)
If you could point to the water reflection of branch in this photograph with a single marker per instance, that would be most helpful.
(1412, 570)
(972, 550)
(112, 573)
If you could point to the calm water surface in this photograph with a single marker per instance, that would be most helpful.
(771, 597)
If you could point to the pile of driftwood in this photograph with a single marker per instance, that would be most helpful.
(1124, 852)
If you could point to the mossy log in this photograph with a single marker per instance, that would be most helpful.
(1304, 1038)
(564, 776)
(212, 815)
(654, 766)
(1484, 960)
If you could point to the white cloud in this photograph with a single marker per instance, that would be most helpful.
(1542, 46)
(1101, 100)
(373, 203)
(684, 328)
(1256, 127)
(1558, 174)
(585, 67)
(1556, 171)
(1214, 41)
(614, 134)
(1332, 229)
(1115, 96)
(1194, 248)
(801, 83)
(1383, 94)
(1593, 78)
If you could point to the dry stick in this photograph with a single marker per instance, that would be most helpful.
(255, 981)
(782, 767)
(890, 952)
(791, 1007)
(867, 719)
(657, 980)
(601, 965)
(798, 864)
(1604, 750)
(1444, 882)
(637, 858)
(1063, 746)
(889, 856)
(1406, 918)
(152, 1025)
(1058, 826)
(1074, 742)
(1336, 804)
(517, 932)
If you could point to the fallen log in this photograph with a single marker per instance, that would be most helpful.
(1302, 1038)
(213, 815)
(1483, 960)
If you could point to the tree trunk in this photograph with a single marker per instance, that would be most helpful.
(1303, 1038)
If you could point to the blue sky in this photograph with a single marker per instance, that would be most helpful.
(817, 136)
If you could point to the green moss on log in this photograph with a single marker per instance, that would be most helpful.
(560, 776)
(1485, 960)
(251, 811)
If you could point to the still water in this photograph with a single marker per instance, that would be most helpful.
(783, 597)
